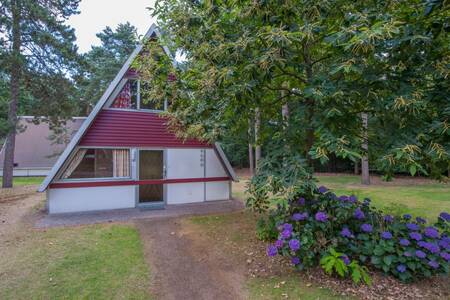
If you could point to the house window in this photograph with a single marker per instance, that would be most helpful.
(128, 96)
(98, 163)
(134, 96)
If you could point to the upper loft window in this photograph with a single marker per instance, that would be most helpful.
(134, 96)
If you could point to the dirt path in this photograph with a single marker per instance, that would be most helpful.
(16, 207)
(185, 265)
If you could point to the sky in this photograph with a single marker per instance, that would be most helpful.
(95, 15)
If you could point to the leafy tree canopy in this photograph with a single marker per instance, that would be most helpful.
(329, 61)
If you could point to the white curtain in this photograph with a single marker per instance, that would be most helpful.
(121, 163)
(78, 157)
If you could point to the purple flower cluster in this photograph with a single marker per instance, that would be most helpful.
(294, 244)
(300, 216)
(345, 232)
(321, 216)
(432, 247)
(421, 220)
(415, 236)
(433, 264)
(295, 261)
(272, 250)
(386, 235)
(352, 199)
(404, 242)
(301, 201)
(345, 259)
(444, 242)
(431, 232)
(359, 214)
(445, 216)
(286, 231)
(388, 218)
(401, 268)
(366, 227)
(343, 198)
(445, 256)
(279, 243)
(407, 216)
(420, 254)
(323, 189)
(412, 226)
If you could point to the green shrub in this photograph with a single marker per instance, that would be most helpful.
(315, 222)
(266, 227)
(341, 264)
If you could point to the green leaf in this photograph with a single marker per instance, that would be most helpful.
(366, 276)
(388, 259)
(378, 251)
(375, 260)
(356, 275)
(340, 267)
(413, 170)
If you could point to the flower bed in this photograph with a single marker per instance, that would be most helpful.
(343, 234)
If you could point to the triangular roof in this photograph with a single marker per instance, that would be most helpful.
(153, 31)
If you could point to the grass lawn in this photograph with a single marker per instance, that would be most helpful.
(426, 199)
(89, 262)
(287, 287)
(419, 198)
(27, 180)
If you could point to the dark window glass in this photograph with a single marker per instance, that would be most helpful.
(96, 163)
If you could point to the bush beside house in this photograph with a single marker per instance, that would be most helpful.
(346, 235)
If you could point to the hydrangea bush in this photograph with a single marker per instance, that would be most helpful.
(315, 222)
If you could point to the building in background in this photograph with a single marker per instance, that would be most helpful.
(38, 146)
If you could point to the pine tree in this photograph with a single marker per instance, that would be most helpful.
(38, 53)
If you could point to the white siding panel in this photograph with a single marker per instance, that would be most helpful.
(19, 172)
(179, 193)
(90, 198)
(184, 163)
(217, 190)
(214, 167)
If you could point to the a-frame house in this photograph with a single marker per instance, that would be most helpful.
(125, 156)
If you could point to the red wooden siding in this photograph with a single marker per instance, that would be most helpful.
(134, 129)
(62, 185)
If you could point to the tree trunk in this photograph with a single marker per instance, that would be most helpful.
(251, 159)
(356, 170)
(285, 113)
(365, 177)
(257, 136)
(310, 103)
(8, 164)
